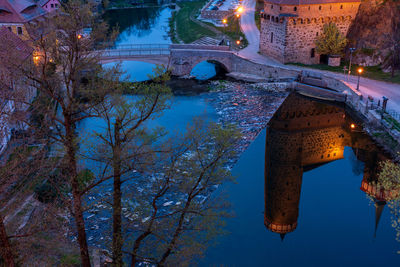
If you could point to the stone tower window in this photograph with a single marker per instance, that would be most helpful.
(19, 30)
(309, 8)
(341, 6)
(316, 34)
(280, 8)
(272, 37)
(272, 6)
(312, 52)
(276, 19)
(320, 7)
(295, 8)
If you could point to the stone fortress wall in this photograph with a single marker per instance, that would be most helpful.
(288, 31)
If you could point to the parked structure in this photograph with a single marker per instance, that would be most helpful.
(13, 92)
(49, 5)
(289, 27)
(14, 14)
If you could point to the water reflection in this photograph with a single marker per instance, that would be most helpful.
(303, 135)
(140, 25)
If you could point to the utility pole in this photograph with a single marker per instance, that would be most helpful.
(352, 49)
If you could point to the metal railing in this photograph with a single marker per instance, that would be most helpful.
(135, 50)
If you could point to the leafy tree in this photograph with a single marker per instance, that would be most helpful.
(68, 75)
(331, 41)
(389, 181)
(126, 143)
(168, 233)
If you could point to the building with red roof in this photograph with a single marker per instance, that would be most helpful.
(14, 14)
(289, 28)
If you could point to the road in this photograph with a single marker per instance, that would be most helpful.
(368, 87)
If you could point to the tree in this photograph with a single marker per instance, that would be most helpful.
(69, 78)
(126, 144)
(331, 41)
(389, 182)
(172, 234)
(393, 57)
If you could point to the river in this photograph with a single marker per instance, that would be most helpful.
(303, 195)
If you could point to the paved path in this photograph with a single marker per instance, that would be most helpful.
(374, 88)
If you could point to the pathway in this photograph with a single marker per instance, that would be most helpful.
(374, 88)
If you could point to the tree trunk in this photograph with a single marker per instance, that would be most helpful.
(5, 246)
(117, 195)
(77, 202)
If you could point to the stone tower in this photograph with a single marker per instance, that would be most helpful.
(302, 135)
(289, 28)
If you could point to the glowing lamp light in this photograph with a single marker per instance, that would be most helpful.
(36, 58)
(238, 42)
(224, 21)
(79, 36)
(352, 126)
(237, 15)
(240, 9)
(360, 70)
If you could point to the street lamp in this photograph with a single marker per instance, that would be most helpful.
(238, 42)
(352, 49)
(359, 71)
(240, 9)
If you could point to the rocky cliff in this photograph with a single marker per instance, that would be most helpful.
(372, 31)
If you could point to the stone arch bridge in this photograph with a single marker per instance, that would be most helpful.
(182, 58)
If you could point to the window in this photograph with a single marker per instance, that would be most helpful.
(320, 7)
(19, 30)
(312, 52)
(317, 34)
(9, 28)
(280, 8)
(341, 6)
(52, 5)
(56, 5)
(272, 6)
(272, 37)
(295, 8)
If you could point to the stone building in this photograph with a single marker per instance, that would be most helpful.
(14, 14)
(289, 28)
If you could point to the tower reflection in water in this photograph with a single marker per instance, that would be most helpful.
(305, 134)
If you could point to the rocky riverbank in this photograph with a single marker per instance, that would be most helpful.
(248, 106)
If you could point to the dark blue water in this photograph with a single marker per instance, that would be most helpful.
(336, 220)
(335, 225)
(147, 26)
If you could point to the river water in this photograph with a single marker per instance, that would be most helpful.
(303, 195)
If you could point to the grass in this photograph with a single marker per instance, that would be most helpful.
(257, 17)
(372, 72)
(189, 31)
(395, 124)
(233, 31)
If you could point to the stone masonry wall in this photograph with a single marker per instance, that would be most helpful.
(295, 28)
(272, 39)
(301, 36)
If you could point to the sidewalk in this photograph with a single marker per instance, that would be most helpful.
(368, 87)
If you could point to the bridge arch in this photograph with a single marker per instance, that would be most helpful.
(208, 71)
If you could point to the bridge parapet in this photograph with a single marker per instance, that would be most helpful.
(200, 47)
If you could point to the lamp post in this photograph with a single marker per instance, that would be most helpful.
(359, 71)
(352, 49)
